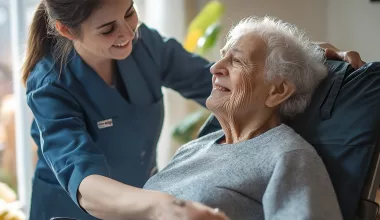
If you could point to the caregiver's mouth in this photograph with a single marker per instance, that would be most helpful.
(223, 89)
(122, 45)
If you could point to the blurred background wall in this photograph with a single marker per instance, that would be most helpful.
(348, 24)
(355, 25)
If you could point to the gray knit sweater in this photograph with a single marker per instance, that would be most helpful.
(276, 175)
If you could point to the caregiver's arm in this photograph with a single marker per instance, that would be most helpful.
(114, 200)
(106, 198)
(184, 72)
(300, 188)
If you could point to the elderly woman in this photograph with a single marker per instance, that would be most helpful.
(256, 167)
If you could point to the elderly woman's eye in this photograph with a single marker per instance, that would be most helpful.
(236, 60)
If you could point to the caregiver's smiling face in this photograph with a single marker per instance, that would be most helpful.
(238, 77)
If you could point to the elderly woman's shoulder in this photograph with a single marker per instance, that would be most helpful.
(290, 141)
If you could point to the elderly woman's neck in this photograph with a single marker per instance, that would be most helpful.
(241, 130)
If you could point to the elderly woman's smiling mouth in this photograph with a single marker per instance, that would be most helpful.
(219, 86)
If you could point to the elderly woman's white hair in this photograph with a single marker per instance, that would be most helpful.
(291, 55)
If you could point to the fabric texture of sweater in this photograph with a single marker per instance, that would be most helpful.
(276, 175)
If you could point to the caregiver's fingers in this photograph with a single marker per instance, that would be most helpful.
(352, 57)
(332, 55)
(209, 213)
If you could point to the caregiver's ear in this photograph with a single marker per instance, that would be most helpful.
(64, 30)
(279, 91)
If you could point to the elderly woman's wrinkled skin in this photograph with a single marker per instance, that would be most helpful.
(238, 80)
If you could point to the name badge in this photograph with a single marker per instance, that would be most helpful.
(105, 124)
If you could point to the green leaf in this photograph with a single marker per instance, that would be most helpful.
(209, 39)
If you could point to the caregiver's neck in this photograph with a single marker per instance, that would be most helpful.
(244, 127)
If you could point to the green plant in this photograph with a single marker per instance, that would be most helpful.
(188, 128)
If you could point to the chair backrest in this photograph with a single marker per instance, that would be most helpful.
(342, 122)
(368, 207)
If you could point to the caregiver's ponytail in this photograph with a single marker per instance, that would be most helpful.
(38, 41)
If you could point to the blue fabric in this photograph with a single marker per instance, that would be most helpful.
(71, 110)
(343, 124)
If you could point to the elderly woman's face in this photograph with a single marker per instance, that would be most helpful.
(238, 78)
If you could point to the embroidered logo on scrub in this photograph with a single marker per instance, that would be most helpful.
(105, 124)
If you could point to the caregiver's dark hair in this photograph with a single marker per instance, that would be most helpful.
(43, 35)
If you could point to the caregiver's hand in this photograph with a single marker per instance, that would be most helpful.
(170, 208)
(333, 53)
(351, 57)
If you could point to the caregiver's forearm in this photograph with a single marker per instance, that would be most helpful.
(325, 45)
(105, 198)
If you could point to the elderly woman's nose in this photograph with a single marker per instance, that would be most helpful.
(218, 70)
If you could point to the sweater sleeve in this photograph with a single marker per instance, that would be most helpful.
(300, 188)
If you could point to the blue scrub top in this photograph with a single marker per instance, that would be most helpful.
(83, 126)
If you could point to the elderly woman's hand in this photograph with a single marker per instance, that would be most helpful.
(351, 57)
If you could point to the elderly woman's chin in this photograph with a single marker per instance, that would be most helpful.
(217, 99)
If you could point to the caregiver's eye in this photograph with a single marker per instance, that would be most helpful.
(130, 14)
(109, 31)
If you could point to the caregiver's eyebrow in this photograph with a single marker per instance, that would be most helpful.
(111, 22)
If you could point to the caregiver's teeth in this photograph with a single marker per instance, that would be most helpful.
(121, 45)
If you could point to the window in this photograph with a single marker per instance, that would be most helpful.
(8, 104)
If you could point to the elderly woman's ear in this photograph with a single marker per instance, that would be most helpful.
(279, 91)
